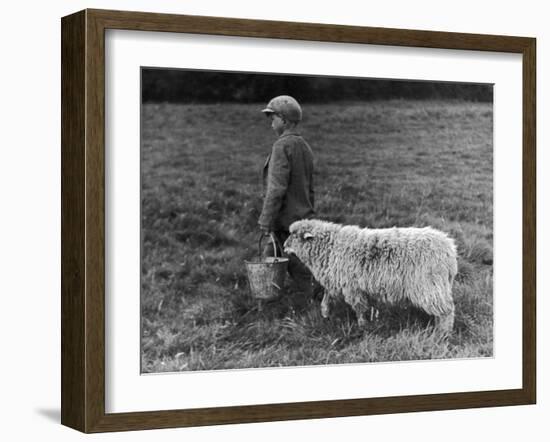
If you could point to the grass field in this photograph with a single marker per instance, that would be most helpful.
(378, 164)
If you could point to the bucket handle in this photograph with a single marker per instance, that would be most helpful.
(274, 241)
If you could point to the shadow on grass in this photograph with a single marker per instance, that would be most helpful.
(386, 320)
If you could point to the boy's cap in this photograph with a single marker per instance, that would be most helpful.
(285, 106)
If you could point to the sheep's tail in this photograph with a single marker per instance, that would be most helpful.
(436, 298)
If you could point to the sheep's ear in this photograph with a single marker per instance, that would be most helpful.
(308, 235)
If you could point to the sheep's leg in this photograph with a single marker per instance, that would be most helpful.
(325, 304)
(445, 322)
(359, 304)
(374, 312)
(360, 312)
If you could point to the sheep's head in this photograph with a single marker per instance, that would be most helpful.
(300, 240)
(307, 238)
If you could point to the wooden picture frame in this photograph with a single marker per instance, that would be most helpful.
(83, 220)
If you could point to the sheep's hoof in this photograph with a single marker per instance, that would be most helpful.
(324, 312)
(361, 321)
(374, 312)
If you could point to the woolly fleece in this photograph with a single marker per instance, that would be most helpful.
(388, 265)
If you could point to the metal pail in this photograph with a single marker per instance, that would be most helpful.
(266, 277)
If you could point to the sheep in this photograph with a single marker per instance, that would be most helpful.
(392, 265)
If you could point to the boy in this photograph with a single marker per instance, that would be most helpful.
(288, 183)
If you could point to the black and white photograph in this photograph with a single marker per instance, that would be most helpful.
(294, 220)
(287, 221)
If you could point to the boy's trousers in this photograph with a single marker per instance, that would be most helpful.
(298, 271)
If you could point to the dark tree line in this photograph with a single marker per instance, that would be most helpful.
(188, 86)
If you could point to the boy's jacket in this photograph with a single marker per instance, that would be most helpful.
(288, 183)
